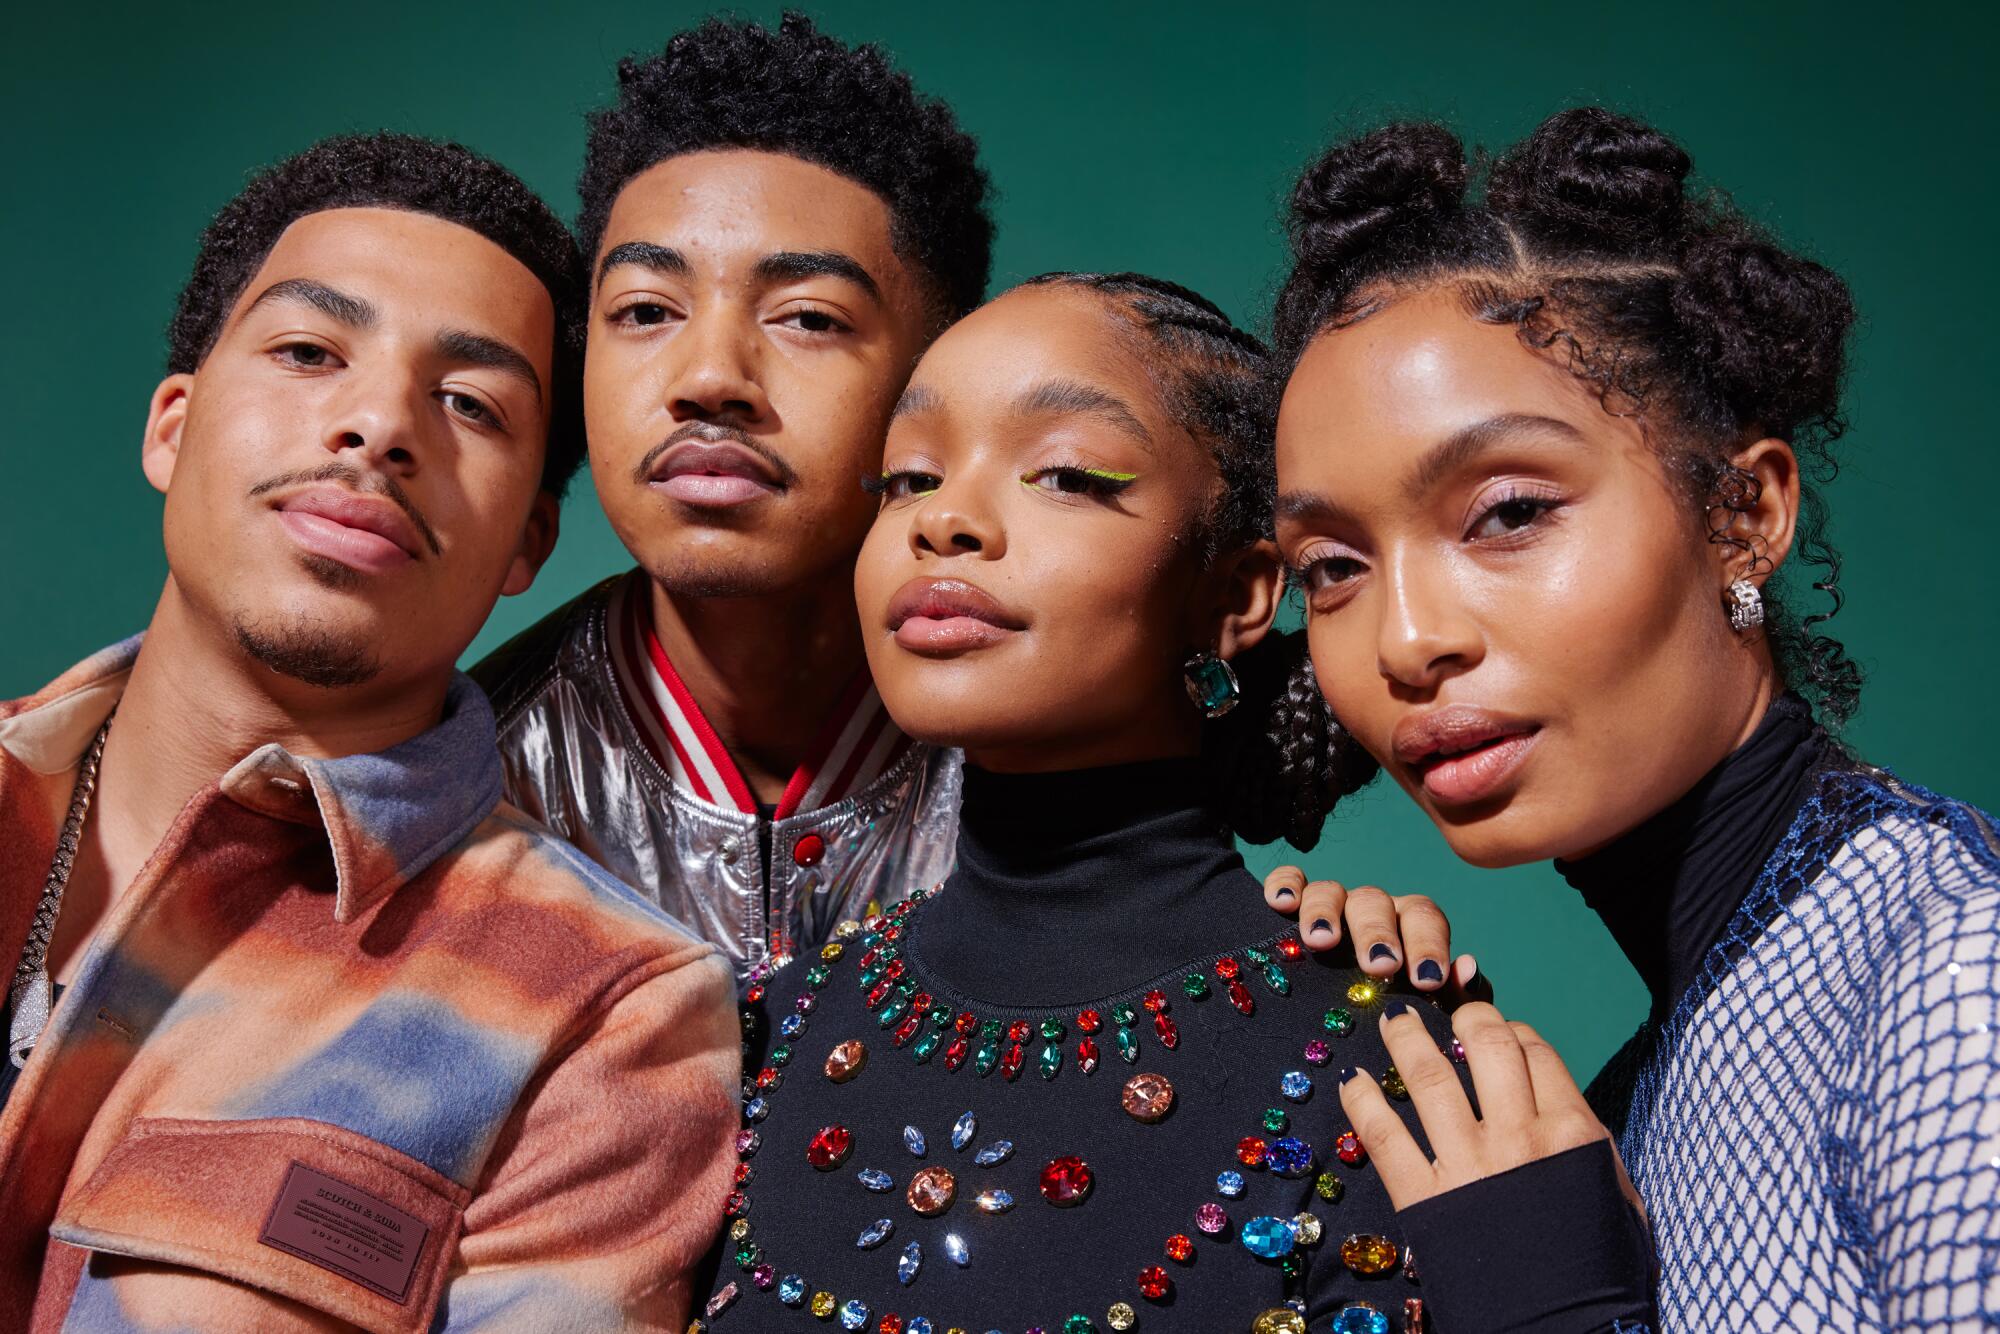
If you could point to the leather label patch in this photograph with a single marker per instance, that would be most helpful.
(337, 1227)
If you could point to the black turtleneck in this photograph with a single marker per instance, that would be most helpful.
(1668, 889)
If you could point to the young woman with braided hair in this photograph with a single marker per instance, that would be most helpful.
(1000, 1107)
(1543, 453)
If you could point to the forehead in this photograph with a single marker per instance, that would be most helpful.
(416, 269)
(725, 209)
(1024, 339)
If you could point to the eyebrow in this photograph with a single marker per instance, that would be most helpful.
(478, 350)
(337, 305)
(916, 398)
(1466, 444)
(658, 258)
(1312, 509)
(791, 265)
(1074, 398)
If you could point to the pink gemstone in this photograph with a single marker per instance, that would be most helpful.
(932, 1191)
(844, 1062)
(1148, 1097)
(764, 1276)
(747, 1142)
(1210, 1218)
(1317, 1052)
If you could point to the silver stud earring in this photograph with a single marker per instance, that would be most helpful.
(1746, 606)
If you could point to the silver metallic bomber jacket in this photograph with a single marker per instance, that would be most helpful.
(574, 760)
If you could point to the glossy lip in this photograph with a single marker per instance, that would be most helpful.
(946, 616)
(713, 473)
(362, 532)
(1461, 754)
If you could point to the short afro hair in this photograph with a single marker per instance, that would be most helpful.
(802, 93)
(402, 171)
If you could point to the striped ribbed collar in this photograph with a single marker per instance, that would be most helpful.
(855, 745)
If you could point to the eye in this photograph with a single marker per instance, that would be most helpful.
(1511, 514)
(1070, 480)
(902, 484)
(642, 313)
(468, 407)
(306, 356)
(813, 320)
(1327, 573)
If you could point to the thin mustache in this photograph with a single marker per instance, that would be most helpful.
(713, 432)
(374, 483)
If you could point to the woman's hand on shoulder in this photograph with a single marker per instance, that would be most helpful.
(1529, 1106)
(1390, 932)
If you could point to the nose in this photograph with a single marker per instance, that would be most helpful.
(951, 522)
(380, 416)
(1426, 634)
(716, 376)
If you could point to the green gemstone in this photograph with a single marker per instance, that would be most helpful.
(870, 941)
(892, 1012)
(1274, 978)
(990, 1030)
(940, 1017)
(1194, 986)
(925, 1045)
(747, 1255)
(1329, 1186)
(1124, 1014)
(1256, 955)
(1079, 1324)
(870, 975)
(988, 1056)
(1211, 684)
(1292, 1265)
(1053, 1030)
(817, 975)
(781, 1055)
(1338, 1021)
(1128, 1045)
(1275, 1120)
(906, 986)
(1051, 1061)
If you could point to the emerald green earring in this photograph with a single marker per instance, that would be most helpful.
(1211, 684)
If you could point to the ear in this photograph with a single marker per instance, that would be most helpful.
(165, 419)
(1767, 521)
(1249, 586)
(538, 539)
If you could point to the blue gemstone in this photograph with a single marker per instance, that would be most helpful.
(794, 1025)
(1269, 1237)
(955, 1251)
(999, 1151)
(876, 1233)
(791, 1290)
(918, 1325)
(1229, 1184)
(1297, 1086)
(756, 1109)
(1359, 1318)
(876, 1179)
(909, 1263)
(913, 1140)
(961, 1131)
(854, 1314)
(1289, 1157)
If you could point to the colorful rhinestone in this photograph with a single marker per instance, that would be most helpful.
(1148, 1098)
(1180, 1248)
(1066, 1181)
(908, 1263)
(955, 1250)
(1229, 1185)
(1289, 1157)
(1211, 1218)
(1329, 1187)
(913, 1140)
(1318, 1052)
(853, 1314)
(875, 1179)
(1268, 1238)
(1297, 1085)
(1279, 1320)
(1393, 1085)
(994, 1154)
(1348, 1149)
(1358, 1318)
(1154, 1284)
(1338, 1022)
(829, 1148)
(1121, 1316)
(875, 1234)
(962, 1131)
(845, 1061)
(1250, 1151)
(931, 1191)
(1308, 1229)
(792, 1290)
(1369, 1255)
(994, 1201)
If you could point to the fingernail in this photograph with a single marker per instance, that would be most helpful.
(1395, 1009)
(1429, 971)
(1381, 951)
(1347, 1072)
(1283, 896)
(1321, 924)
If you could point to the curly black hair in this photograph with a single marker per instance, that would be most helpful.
(799, 92)
(1674, 307)
(1277, 763)
(399, 171)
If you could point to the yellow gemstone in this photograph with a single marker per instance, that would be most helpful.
(1308, 1229)
(847, 930)
(831, 951)
(1393, 1085)
(739, 1230)
(1369, 1255)
(1279, 1320)
(1329, 1186)
(823, 1305)
(1121, 1316)
(1364, 993)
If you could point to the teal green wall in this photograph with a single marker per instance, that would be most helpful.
(1149, 136)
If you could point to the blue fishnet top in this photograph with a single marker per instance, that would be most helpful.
(1814, 1122)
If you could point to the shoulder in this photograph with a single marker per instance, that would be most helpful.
(514, 673)
(1932, 862)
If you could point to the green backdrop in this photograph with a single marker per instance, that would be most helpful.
(1151, 136)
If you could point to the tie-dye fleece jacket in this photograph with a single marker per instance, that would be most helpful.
(361, 1046)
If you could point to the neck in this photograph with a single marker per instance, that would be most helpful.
(766, 670)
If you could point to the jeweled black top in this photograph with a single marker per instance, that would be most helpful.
(1089, 1085)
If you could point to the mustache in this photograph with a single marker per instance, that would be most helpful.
(714, 433)
(366, 482)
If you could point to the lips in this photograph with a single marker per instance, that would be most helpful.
(713, 473)
(947, 616)
(1463, 755)
(363, 532)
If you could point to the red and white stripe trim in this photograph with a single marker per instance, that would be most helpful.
(854, 746)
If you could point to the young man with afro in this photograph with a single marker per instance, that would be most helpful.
(776, 225)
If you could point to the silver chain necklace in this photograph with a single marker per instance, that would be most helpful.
(31, 996)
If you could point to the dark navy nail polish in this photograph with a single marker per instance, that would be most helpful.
(1429, 971)
(1283, 896)
(1347, 1072)
(1381, 951)
(1396, 1008)
(1321, 924)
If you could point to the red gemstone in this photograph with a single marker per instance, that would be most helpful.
(894, 970)
(767, 1078)
(892, 932)
(966, 1024)
(891, 1324)
(1239, 996)
(955, 1054)
(1089, 1021)
(921, 1002)
(1290, 947)
(905, 1031)
(1010, 1064)
(743, 1173)
(829, 1148)
(877, 994)
(736, 1205)
(1154, 1285)
(1179, 1248)
(1348, 1149)
(1156, 1001)
(755, 993)
(808, 850)
(1086, 1055)
(1170, 1037)
(1250, 1151)
(870, 959)
(1066, 1181)
(1017, 1031)
(1226, 967)
(875, 923)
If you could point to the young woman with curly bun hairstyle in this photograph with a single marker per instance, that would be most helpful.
(1548, 458)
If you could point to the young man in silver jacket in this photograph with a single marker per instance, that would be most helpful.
(777, 225)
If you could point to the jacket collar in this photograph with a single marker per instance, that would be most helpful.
(388, 815)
